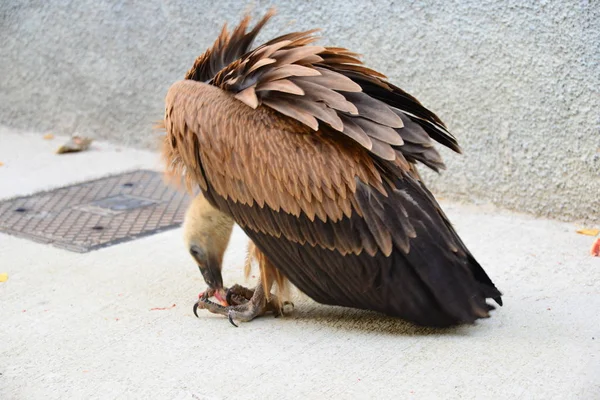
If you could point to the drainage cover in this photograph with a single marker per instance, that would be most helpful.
(97, 213)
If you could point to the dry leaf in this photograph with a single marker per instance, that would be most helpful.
(48, 136)
(3, 277)
(75, 144)
(589, 232)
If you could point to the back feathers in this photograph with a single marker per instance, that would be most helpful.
(325, 88)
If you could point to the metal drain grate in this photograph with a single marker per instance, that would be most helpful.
(97, 213)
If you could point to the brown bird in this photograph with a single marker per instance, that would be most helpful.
(313, 155)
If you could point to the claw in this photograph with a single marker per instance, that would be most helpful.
(230, 318)
(196, 309)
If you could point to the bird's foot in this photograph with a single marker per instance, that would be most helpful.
(238, 294)
(245, 304)
(244, 312)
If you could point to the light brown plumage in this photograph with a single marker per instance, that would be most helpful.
(206, 227)
(313, 154)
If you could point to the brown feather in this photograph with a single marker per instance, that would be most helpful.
(315, 92)
(282, 85)
(261, 63)
(355, 132)
(317, 109)
(379, 132)
(334, 81)
(291, 110)
(248, 96)
(289, 70)
(375, 110)
(297, 54)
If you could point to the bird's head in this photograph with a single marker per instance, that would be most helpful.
(206, 235)
(209, 263)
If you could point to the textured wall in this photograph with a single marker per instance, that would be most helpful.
(516, 81)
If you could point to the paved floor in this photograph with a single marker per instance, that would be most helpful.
(82, 325)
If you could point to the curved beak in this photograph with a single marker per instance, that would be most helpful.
(211, 272)
(210, 268)
(214, 280)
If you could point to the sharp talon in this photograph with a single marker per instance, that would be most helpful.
(230, 318)
(196, 310)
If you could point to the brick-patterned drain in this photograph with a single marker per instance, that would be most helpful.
(96, 213)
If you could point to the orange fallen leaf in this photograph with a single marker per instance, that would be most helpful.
(3, 277)
(595, 250)
(589, 232)
(48, 136)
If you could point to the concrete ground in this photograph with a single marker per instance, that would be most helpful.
(82, 325)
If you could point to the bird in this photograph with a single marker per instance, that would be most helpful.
(314, 155)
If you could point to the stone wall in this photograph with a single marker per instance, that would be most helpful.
(516, 81)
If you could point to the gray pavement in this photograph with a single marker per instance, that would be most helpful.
(81, 326)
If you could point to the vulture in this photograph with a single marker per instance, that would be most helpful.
(315, 157)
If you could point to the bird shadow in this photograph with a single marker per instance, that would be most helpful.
(350, 319)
